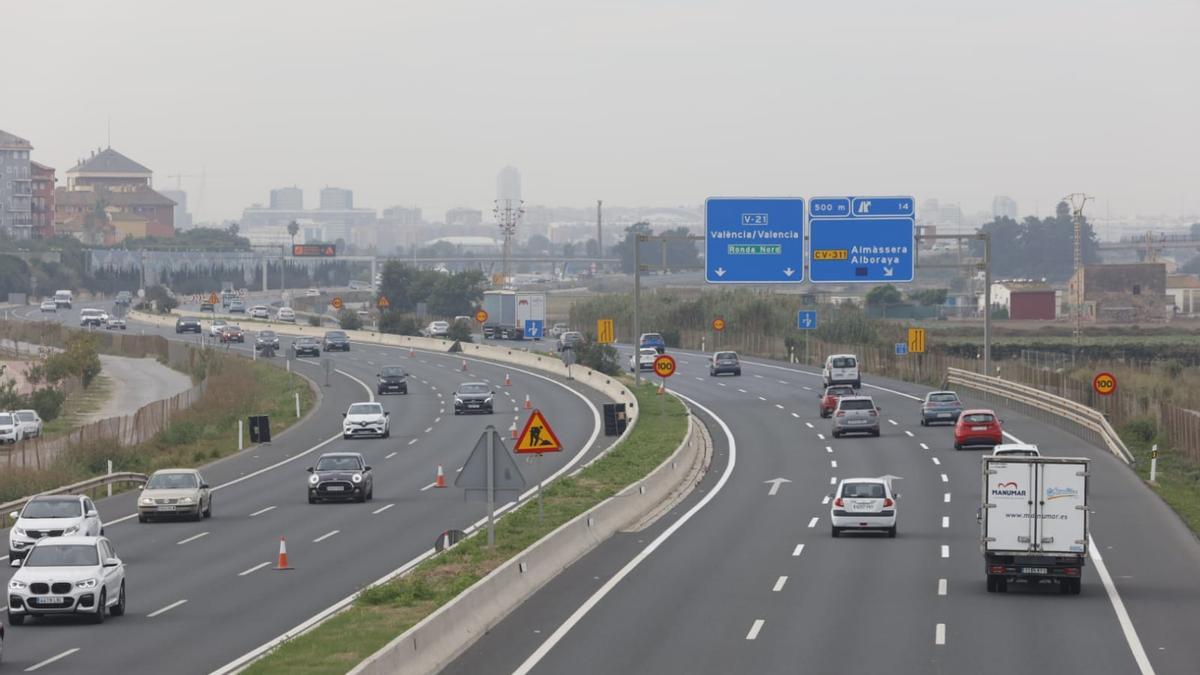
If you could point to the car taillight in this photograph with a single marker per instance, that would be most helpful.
(872, 413)
(838, 502)
(841, 413)
(996, 569)
(887, 501)
(1071, 571)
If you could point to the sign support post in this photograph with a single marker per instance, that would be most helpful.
(491, 491)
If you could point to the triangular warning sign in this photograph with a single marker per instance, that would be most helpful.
(329, 251)
(537, 437)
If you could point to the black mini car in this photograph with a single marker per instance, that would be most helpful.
(392, 379)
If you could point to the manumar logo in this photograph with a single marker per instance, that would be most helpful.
(1008, 489)
(1061, 493)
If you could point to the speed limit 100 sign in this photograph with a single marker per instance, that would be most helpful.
(1105, 384)
(664, 366)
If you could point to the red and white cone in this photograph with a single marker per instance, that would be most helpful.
(441, 478)
(513, 429)
(411, 352)
(662, 388)
(283, 560)
(507, 380)
(528, 403)
(464, 365)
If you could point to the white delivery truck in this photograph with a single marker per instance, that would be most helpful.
(1034, 521)
(509, 311)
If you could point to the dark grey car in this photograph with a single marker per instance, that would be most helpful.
(340, 476)
(392, 378)
(725, 362)
(855, 415)
(940, 407)
(306, 345)
(473, 397)
(336, 341)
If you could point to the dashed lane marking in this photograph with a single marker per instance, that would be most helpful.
(945, 551)
(383, 508)
(936, 460)
(325, 536)
(939, 634)
(254, 569)
(946, 498)
(262, 511)
(910, 434)
(945, 478)
(924, 447)
(809, 425)
(391, 454)
(813, 523)
(194, 537)
(755, 628)
(779, 584)
(798, 550)
(941, 586)
(52, 659)
(945, 521)
(413, 441)
(166, 609)
(833, 463)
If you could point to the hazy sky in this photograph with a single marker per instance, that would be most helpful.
(658, 102)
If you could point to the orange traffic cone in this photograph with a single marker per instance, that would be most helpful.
(283, 561)
(507, 380)
(441, 478)
(464, 365)
(661, 389)
(513, 429)
(528, 403)
(411, 352)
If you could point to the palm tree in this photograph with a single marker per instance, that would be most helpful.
(293, 228)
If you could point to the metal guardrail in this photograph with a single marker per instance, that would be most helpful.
(1078, 419)
(99, 481)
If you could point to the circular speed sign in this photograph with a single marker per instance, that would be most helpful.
(718, 324)
(664, 365)
(1105, 384)
(337, 303)
(481, 316)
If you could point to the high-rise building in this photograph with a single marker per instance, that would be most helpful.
(462, 216)
(337, 199)
(287, 198)
(403, 215)
(508, 185)
(183, 219)
(16, 187)
(42, 209)
(1004, 207)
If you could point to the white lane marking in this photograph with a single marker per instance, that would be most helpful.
(441, 411)
(796, 415)
(821, 436)
(945, 478)
(779, 406)
(390, 455)
(825, 499)
(741, 391)
(413, 441)
(52, 659)
(939, 634)
(540, 653)
(833, 480)
(699, 379)
(893, 423)
(428, 429)
(782, 381)
(945, 551)
(254, 569)
(779, 584)
(428, 486)
(758, 376)
(936, 460)
(383, 508)
(833, 463)
(720, 384)
(946, 498)
(325, 536)
(813, 523)
(808, 424)
(798, 550)
(941, 586)
(829, 448)
(370, 363)
(262, 511)
(945, 521)
(762, 399)
(910, 434)
(436, 420)
(924, 447)
(1131, 636)
(757, 626)
(166, 609)
(191, 538)
(807, 388)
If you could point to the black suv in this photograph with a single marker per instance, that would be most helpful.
(341, 475)
(473, 397)
(265, 339)
(306, 345)
(186, 324)
(392, 378)
(336, 341)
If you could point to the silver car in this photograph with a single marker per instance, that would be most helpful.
(855, 415)
(175, 493)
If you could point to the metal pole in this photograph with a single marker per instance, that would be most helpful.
(491, 489)
(987, 304)
(110, 471)
(541, 510)
(282, 272)
(637, 302)
(599, 230)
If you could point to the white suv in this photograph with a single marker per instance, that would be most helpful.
(366, 419)
(842, 369)
(863, 504)
(30, 423)
(10, 428)
(52, 516)
(68, 575)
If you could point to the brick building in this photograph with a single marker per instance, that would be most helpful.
(109, 197)
(43, 200)
(1126, 293)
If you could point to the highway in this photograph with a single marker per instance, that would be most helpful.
(201, 594)
(735, 579)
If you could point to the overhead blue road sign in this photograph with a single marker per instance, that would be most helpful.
(754, 240)
(861, 239)
(533, 328)
(806, 319)
(901, 349)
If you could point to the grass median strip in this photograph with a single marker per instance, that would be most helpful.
(1178, 479)
(383, 612)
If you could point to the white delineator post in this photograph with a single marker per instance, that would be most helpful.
(241, 445)
(297, 405)
(110, 471)
(1153, 463)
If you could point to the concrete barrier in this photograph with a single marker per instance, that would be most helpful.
(442, 636)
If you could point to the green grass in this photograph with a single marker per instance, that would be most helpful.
(382, 613)
(78, 406)
(1178, 479)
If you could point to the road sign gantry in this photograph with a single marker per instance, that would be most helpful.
(861, 239)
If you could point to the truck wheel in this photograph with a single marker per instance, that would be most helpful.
(1001, 585)
(991, 584)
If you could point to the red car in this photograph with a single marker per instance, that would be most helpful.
(829, 399)
(977, 427)
(232, 334)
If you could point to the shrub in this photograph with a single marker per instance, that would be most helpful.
(314, 320)
(48, 402)
(1143, 429)
(349, 320)
(599, 357)
(396, 323)
(461, 331)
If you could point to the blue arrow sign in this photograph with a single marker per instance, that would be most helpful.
(533, 328)
(861, 239)
(806, 319)
(754, 240)
(901, 349)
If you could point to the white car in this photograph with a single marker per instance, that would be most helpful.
(259, 312)
(52, 516)
(10, 428)
(92, 317)
(68, 575)
(863, 504)
(115, 323)
(49, 306)
(1016, 450)
(286, 314)
(643, 360)
(30, 423)
(437, 329)
(215, 328)
(842, 369)
(366, 419)
(312, 293)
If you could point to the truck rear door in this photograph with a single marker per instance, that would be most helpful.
(1008, 511)
(1062, 502)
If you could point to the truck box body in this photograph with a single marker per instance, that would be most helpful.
(1034, 517)
(509, 310)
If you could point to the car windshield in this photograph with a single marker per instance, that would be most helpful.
(267, 334)
(839, 391)
(845, 362)
(172, 481)
(1017, 453)
(63, 555)
(335, 334)
(6, 419)
(473, 389)
(651, 337)
(863, 490)
(648, 352)
(392, 371)
(339, 464)
(727, 356)
(306, 340)
(27, 416)
(978, 418)
(943, 398)
(53, 508)
(857, 404)
(365, 409)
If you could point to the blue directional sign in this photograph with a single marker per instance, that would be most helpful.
(533, 328)
(861, 239)
(754, 240)
(901, 349)
(806, 319)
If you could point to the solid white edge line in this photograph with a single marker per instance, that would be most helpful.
(52, 659)
(560, 632)
(254, 569)
(755, 628)
(166, 609)
(192, 538)
(428, 486)
(1131, 636)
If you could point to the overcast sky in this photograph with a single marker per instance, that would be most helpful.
(658, 102)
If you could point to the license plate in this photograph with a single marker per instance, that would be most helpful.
(943, 414)
(334, 488)
(51, 601)
(166, 508)
(859, 508)
(1033, 570)
(472, 405)
(978, 428)
(857, 422)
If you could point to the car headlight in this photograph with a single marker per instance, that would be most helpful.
(357, 478)
(185, 500)
(314, 479)
(87, 583)
(146, 501)
(14, 585)
(488, 400)
(71, 530)
(19, 532)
